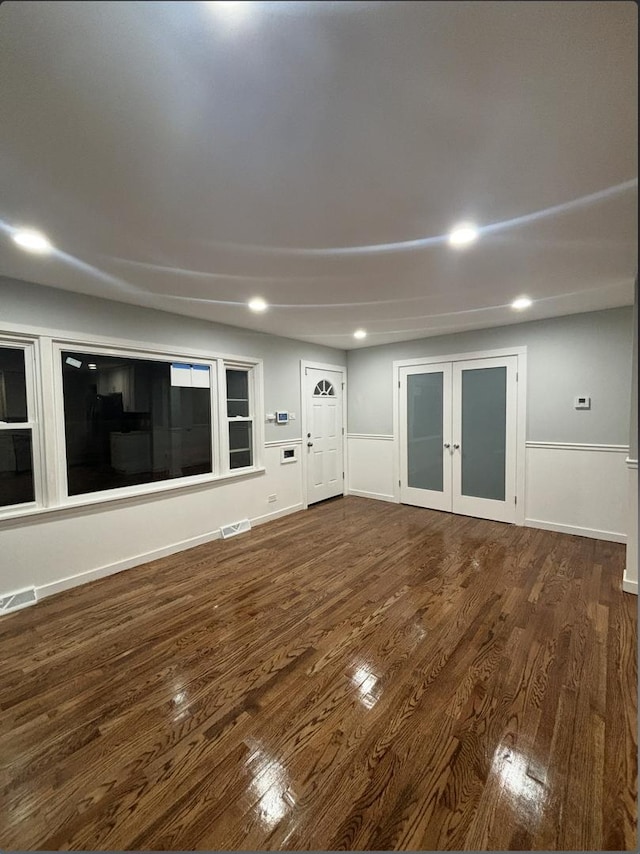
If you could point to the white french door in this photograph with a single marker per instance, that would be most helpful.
(425, 431)
(458, 436)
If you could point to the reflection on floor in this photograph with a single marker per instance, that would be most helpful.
(361, 675)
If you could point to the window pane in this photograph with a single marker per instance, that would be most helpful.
(240, 444)
(126, 424)
(237, 384)
(237, 393)
(13, 388)
(16, 467)
(238, 407)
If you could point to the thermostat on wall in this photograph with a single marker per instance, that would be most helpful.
(282, 417)
(583, 402)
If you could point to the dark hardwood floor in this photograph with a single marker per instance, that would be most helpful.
(361, 675)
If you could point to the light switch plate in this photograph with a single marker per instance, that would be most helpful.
(583, 401)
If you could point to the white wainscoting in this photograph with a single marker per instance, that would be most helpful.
(371, 465)
(577, 489)
(60, 550)
(571, 488)
(630, 581)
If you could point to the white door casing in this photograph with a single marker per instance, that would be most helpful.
(323, 432)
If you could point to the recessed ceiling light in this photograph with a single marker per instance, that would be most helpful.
(521, 302)
(463, 234)
(32, 241)
(230, 8)
(360, 333)
(257, 304)
(92, 367)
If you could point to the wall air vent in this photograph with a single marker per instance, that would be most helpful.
(15, 601)
(236, 528)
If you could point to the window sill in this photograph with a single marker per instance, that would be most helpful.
(79, 503)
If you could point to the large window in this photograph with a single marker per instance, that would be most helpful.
(132, 421)
(17, 483)
(82, 423)
(240, 417)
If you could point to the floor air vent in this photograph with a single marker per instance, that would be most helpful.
(20, 599)
(234, 529)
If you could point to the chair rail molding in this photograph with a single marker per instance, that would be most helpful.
(577, 446)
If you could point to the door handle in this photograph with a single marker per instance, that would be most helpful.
(309, 444)
(447, 444)
(456, 447)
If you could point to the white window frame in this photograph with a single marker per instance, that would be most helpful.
(126, 353)
(30, 348)
(256, 406)
(219, 432)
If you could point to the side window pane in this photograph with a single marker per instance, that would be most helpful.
(240, 444)
(16, 467)
(13, 393)
(127, 422)
(240, 422)
(237, 394)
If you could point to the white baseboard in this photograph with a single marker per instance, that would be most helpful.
(378, 496)
(119, 566)
(610, 536)
(276, 514)
(628, 585)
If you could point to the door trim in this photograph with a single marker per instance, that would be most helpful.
(321, 366)
(521, 417)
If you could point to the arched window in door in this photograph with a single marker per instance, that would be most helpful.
(324, 389)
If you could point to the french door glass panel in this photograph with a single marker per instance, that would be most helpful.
(484, 432)
(425, 438)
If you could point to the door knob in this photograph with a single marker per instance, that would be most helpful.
(309, 444)
(456, 447)
(447, 444)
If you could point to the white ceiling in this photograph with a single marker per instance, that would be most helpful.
(188, 157)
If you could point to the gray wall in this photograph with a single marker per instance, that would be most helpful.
(37, 306)
(579, 354)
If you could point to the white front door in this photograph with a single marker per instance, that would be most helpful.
(322, 443)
